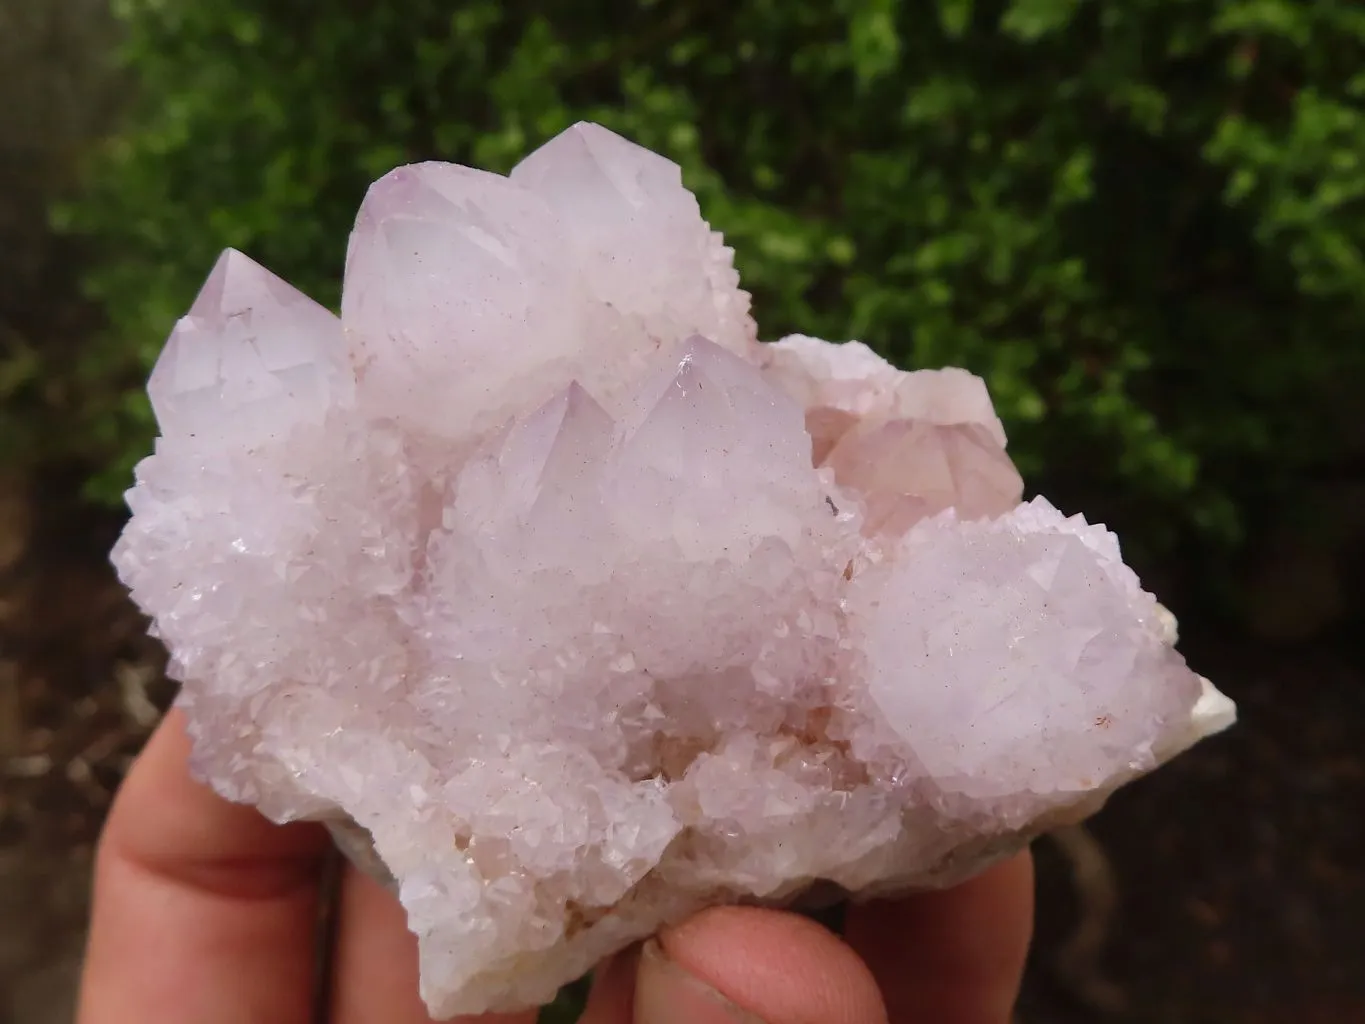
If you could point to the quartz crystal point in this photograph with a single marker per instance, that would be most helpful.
(252, 357)
(572, 609)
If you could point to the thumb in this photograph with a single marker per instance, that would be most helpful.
(744, 965)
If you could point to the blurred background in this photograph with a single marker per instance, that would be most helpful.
(1142, 221)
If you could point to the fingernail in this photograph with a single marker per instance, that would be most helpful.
(667, 994)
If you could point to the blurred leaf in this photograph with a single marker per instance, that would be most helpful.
(955, 16)
(1030, 20)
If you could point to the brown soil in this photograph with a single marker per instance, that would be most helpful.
(77, 675)
(1239, 868)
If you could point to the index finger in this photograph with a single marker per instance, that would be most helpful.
(204, 912)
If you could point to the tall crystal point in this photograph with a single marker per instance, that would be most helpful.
(252, 357)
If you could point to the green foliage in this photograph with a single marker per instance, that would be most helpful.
(1141, 221)
(568, 1005)
(59, 95)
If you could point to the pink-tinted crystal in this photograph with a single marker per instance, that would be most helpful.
(572, 610)
(907, 470)
(909, 444)
(618, 200)
(253, 357)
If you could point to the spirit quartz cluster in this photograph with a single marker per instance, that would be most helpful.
(572, 608)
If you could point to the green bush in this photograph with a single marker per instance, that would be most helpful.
(1140, 220)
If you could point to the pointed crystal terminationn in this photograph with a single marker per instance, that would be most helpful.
(841, 385)
(643, 244)
(253, 358)
(560, 441)
(461, 302)
(610, 175)
(548, 450)
(714, 455)
(910, 444)
(907, 470)
(705, 408)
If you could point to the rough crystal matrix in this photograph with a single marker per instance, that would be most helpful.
(572, 608)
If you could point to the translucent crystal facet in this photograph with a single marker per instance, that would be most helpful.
(252, 358)
(571, 609)
(1035, 635)
(460, 298)
(619, 201)
(908, 469)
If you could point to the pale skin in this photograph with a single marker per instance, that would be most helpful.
(205, 913)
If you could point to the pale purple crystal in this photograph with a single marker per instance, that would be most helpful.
(571, 609)
(253, 357)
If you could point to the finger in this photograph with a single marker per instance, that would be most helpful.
(203, 911)
(951, 957)
(744, 964)
(611, 999)
(375, 963)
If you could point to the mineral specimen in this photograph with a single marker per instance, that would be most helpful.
(572, 608)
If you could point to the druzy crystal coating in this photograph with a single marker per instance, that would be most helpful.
(572, 608)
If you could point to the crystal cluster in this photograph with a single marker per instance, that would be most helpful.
(572, 608)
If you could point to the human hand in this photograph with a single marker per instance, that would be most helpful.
(205, 913)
